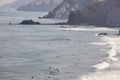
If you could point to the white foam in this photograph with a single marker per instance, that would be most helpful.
(103, 73)
(113, 42)
(87, 29)
(74, 29)
(102, 65)
(110, 75)
(100, 44)
(113, 51)
(112, 54)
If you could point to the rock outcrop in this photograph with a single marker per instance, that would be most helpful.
(29, 22)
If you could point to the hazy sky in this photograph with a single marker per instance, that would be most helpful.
(2, 2)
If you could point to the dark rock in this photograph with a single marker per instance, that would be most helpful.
(32, 77)
(119, 32)
(100, 34)
(57, 70)
(53, 71)
(10, 23)
(29, 22)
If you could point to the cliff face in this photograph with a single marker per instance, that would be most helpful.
(100, 13)
(114, 18)
(76, 17)
(63, 10)
(110, 9)
(40, 5)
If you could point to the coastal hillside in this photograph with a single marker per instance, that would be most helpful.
(63, 10)
(106, 13)
(17, 3)
(40, 5)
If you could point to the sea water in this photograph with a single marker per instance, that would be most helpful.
(47, 52)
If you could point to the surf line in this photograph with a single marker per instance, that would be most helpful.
(111, 54)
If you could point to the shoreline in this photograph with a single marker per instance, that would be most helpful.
(109, 69)
(112, 41)
(111, 53)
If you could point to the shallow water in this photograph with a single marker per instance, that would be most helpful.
(46, 52)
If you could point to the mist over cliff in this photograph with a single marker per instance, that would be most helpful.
(17, 3)
(40, 5)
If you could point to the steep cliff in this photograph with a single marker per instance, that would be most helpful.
(102, 13)
(76, 17)
(63, 10)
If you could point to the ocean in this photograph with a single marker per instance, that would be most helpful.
(50, 52)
